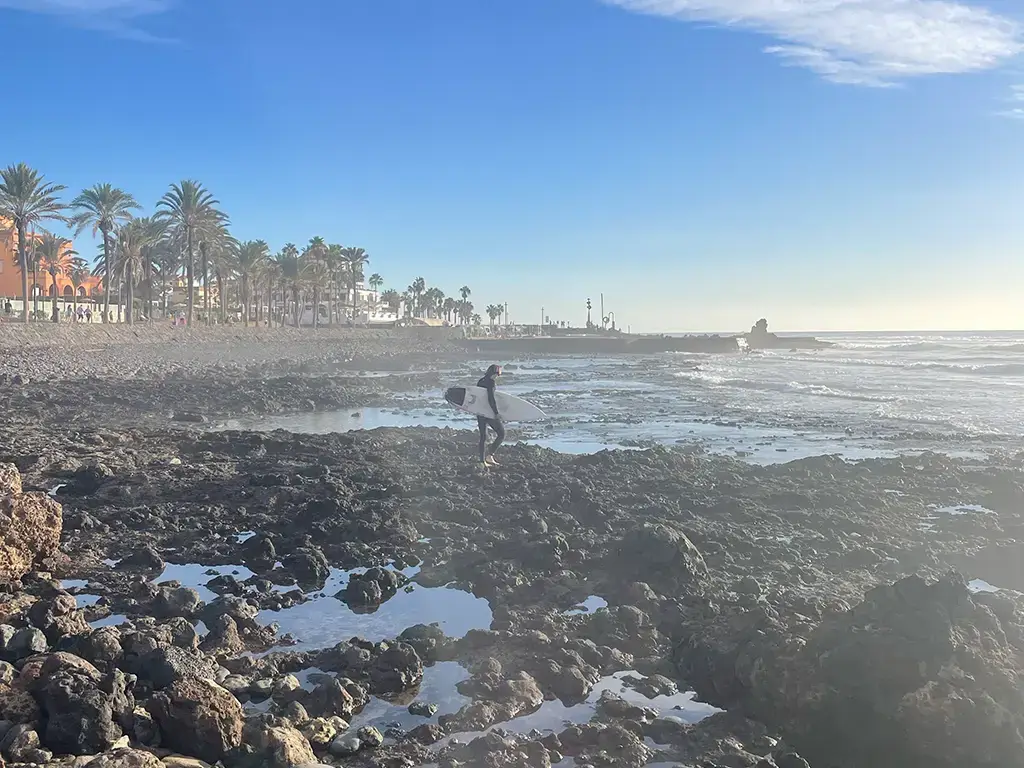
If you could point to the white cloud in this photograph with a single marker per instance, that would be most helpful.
(1016, 101)
(863, 42)
(113, 16)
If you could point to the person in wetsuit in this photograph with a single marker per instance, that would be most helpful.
(489, 382)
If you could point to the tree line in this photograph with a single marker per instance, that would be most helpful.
(188, 234)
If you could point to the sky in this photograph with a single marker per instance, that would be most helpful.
(825, 164)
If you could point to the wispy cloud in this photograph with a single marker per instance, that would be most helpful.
(1015, 110)
(119, 17)
(862, 42)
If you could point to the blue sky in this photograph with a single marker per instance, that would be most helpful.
(827, 164)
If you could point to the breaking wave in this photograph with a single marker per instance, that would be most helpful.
(704, 378)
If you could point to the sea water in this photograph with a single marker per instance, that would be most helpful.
(870, 395)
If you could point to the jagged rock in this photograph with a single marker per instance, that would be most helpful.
(18, 742)
(321, 731)
(126, 758)
(422, 709)
(663, 556)
(330, 697)
(18, 705)
(428, 733)
(426, 639)
(84, 710)
(177, 761)
(88, 479)
(145, 558)
(171, 602)
(284, 748)
(308, 565)
(58, 617)
(144, 729)
(372, 588)
(259, 549)
(101, 646)
(370, 737)
(27, 641)
(163, 666)
(917, 674)
(345, 745)
(30, 526)
(198, 717)
(241, 611)
(223, 637)
(397, 669)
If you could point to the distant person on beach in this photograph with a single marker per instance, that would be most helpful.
(8, 308)
(489, 382)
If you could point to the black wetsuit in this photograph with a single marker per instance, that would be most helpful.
(488, 382)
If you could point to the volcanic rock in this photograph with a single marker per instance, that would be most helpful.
(198, 717)
(30, 526)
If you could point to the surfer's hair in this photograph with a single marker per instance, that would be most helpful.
(494, 370)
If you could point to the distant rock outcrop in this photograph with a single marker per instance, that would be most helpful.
(30, 526)
(760, 338)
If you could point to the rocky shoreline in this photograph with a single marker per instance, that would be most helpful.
(812, 607)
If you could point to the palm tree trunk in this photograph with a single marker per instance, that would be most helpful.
(53, 308)
(148, 289)
(106, 271)
(120, 295)
(295, 299)
(130, 305)
(245, 301)
(190, 278)
(221, 299)
(23, 261)
(35, 283)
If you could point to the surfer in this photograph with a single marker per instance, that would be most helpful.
(489, 382)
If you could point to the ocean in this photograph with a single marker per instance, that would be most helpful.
(871, 395)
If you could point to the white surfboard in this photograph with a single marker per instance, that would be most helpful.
(474, 400)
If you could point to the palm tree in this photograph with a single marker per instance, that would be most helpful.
(26, 198)
(269, 274)
(249, 259)
(449, 307)
(36, 263)
(130, 257)
(355, 259)
(103, 207)
(55, 252)
(376, 281)
(493, 312)
(187, 207)
(78, 273)
(337, 270)
(465, 292)
(393, 300)
(289, 262)
(154, 251)
(316, 272)
(215, 245)
(419, 285)
(433, 298)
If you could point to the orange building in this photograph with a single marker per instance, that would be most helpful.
(10, 273)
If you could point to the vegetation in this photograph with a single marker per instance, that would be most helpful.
(187, 241)
(27, 199)
(103, 208)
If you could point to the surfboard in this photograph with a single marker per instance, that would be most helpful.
(474, 400)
